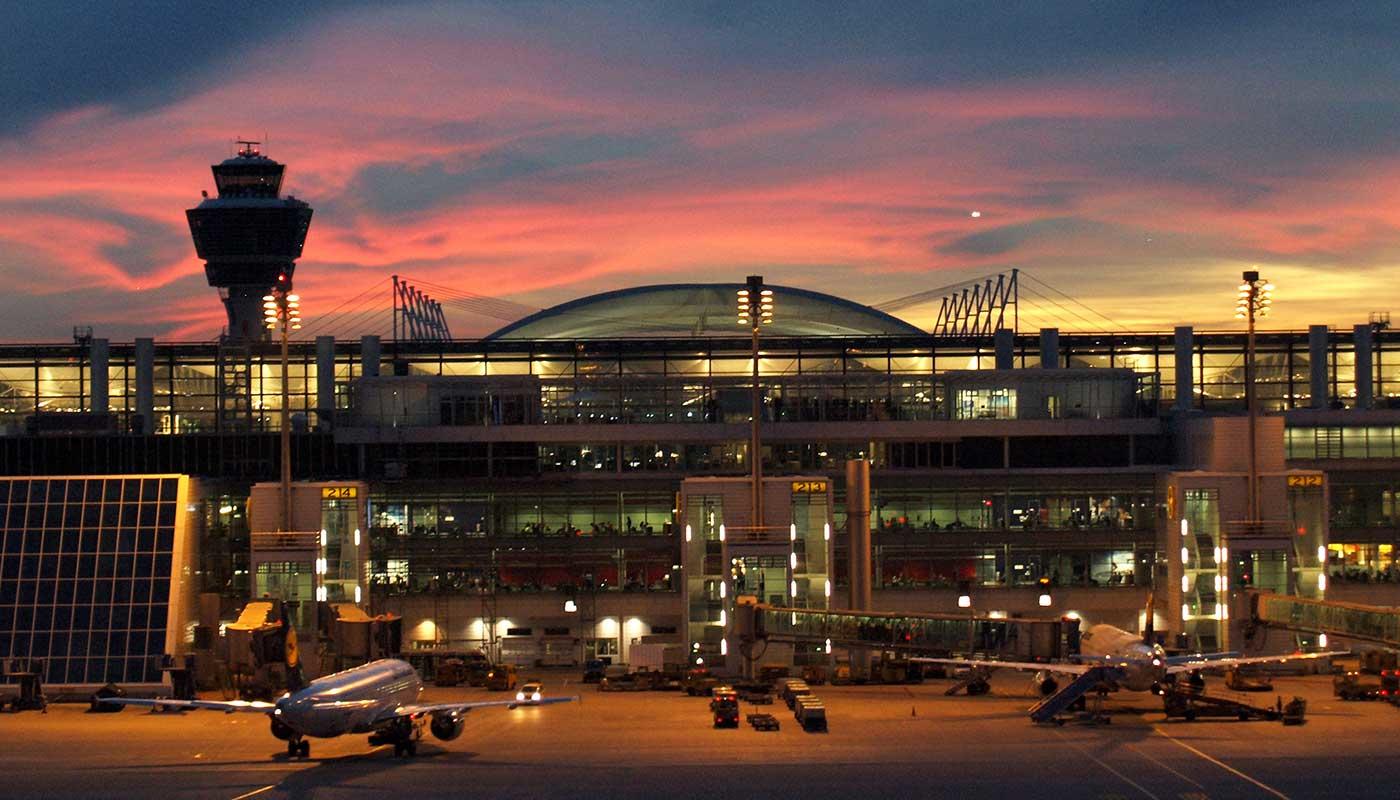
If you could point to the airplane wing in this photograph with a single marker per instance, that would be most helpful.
(1023, 666)
(418, 709)
(1208, 660)
(1201, 658)
(227, 706)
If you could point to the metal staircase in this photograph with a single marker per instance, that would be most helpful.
(234, 367)
(1059, 702)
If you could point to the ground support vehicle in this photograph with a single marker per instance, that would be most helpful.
(699, 682)
(763, 722)
(1355, 685)
(725, 707)
(793, 689)
(593, 670)
(757, 694)
(502, 678)
(810, 713)
(1192, 705)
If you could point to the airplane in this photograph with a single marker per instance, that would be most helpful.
(1128, 662)
(379, 698)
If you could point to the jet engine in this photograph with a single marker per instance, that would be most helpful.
(978, 686)
(1045, 683)
(281, 730)
(447, 725)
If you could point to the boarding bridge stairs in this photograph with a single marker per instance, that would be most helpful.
(1058, 703)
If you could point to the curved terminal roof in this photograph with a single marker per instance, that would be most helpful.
(701, 309)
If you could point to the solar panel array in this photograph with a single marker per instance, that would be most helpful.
(85, 574)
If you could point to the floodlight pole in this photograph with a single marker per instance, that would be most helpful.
(755, 453)
(755, 310)
(282, 313)
(1255, 298)
(286, 435)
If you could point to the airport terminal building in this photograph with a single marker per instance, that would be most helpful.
(560, 490)
(579, 480)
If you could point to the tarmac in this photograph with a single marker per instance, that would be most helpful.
(884, 741)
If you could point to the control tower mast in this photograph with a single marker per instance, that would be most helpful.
(249, 237)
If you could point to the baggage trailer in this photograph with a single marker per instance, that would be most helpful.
(763, 722)
(810, 714)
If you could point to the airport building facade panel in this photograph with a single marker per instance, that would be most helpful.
(97, 575)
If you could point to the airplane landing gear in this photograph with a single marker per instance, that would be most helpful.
(298, 748)
(402, 734)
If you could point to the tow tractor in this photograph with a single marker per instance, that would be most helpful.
(725, 707)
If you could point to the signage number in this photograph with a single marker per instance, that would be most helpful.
(809, 487)
(339, 493)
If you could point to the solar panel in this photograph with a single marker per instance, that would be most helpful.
(87, 569)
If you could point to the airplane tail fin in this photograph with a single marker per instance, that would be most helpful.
(1149, 635)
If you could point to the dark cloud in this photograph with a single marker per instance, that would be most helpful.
(147, 244)
(51, 315)
(1008, 238)
(537, 165)
(136, 54)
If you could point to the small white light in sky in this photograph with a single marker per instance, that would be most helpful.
(976, 214)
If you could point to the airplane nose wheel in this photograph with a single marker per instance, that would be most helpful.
(298, 748)
(402, 749)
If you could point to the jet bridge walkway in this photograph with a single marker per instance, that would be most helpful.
(1018, 639)
(1376, 624)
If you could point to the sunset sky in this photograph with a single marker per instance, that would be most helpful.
(1135, 156)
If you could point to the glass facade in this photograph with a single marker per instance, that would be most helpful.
(1203, 561)
(529, 541)
(199, 388)
(89, 571)
(1336, 441)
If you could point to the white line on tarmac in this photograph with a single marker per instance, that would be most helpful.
(1108, 768)
(256, 792)
(1164, 765)
(1271, 790)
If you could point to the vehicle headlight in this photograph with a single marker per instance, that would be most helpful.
(519, 695)
(535, 696)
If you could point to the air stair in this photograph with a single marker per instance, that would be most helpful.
(1059, 702)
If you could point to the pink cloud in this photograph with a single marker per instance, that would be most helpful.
(796, 174)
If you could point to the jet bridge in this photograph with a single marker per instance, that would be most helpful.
(1377, 624)
(1020, 639)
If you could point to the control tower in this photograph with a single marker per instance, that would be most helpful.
(249, 237)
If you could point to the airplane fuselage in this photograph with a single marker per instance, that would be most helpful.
(349, 701)
(1139, 666)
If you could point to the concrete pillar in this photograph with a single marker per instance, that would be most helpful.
(858, 538)
(98, 357)
(369, 356)
(325, 381)
(1361, 339)
(1049, 348)
(1317, 366)
(145, 419)
(1184, 341)
(1005, 342)
(858, 532)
